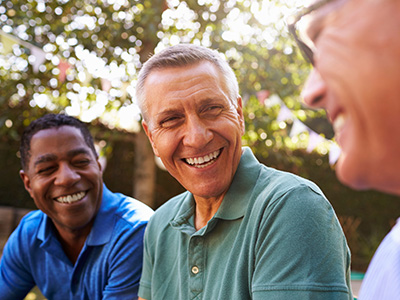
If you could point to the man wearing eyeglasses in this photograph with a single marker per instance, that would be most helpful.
(354, 47)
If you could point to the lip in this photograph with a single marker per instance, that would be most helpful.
(71, 198)
(203, 161)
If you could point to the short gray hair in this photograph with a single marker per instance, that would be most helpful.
(184, 55)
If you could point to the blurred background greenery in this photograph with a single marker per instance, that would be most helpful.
(81, 57)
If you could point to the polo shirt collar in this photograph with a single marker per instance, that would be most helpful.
(104, 223)
(236, 200)
(185, 212)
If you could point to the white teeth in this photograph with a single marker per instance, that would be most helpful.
(201, 162)
(71, 198)
(339, 122)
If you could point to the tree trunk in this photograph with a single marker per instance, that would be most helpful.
(144, 179)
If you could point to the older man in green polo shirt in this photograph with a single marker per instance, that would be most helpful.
(242, 230)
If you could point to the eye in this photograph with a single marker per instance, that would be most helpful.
(212, 110)
(81, 161)
(170, 122)
(45, 170)
(312, 32)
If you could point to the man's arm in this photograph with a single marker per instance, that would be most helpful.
(15, 279)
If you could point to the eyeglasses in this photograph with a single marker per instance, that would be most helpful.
(307, 49)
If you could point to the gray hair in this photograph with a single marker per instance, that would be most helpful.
(184, 55)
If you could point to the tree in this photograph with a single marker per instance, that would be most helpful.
(82, 57)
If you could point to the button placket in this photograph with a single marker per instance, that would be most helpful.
(196, 264)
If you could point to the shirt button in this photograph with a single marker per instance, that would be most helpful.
(195, 270)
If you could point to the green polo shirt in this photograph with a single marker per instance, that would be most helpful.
(275, 236)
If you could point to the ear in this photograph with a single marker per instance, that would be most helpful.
(26, 181)
(150, 136)
(99, 164)
(239, 110)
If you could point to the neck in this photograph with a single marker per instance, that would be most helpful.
(205, 210)
(72, 241)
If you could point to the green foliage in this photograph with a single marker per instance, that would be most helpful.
(94, 48)
(97, 40)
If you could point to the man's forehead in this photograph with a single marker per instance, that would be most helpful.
(184, 69)
(49, 156)
(57, 137)
(57, 131)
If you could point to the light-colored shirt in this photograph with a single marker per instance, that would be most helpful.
(382, 280)
(108, 267)
(275, 236)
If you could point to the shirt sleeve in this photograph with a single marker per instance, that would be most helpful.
(301, 251)
(382, 280)
(126, 265)
(15, 278)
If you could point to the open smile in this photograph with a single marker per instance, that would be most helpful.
(339, 122)
(203, 161)
(72, 198)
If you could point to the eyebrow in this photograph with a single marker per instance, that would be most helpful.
(52, 157)
(167, 112)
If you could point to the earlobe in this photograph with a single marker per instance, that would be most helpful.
(26, 181)
(149, 135)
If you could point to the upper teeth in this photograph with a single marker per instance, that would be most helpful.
(71, 198)
(339, 123)
(201, 160)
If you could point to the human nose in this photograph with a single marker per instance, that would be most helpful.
(66, 175)
(314, 90)
(197, 133)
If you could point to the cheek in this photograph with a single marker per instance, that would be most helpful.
(165, 143)
(39, 187)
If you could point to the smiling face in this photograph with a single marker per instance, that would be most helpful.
(64, 178)
(356, 79)
(194, 127)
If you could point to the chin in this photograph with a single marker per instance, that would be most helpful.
(351, 176)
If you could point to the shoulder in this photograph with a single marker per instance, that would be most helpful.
(24, 237)
(278, 184)
(278, 193)
(285, 181)
(133, 210)
(29, 224)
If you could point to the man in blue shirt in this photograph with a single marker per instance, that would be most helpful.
(84, 242)
(354, 46)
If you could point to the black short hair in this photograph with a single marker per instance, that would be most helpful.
(47, 122)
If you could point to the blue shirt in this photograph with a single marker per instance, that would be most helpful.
(275, 236)
(382, 280)
(108, 267)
